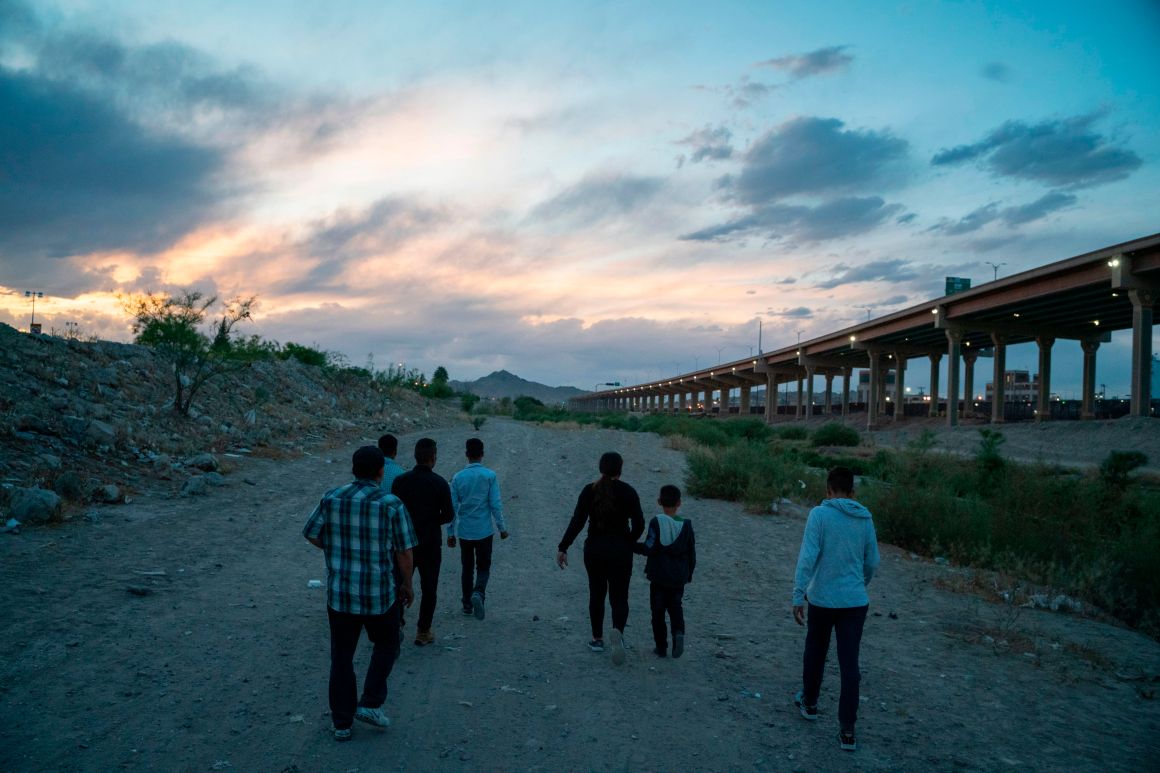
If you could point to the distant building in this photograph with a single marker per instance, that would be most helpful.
(1018, 386)
(863, 389)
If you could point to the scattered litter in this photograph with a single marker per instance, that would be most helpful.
(450, 649)
(12, 527)
(297, 718)
(506, 688)
(468, 704)
(157, 573)
(219, 765)
(314, 583)
(893, 615)
(139, 590)
(454, 636)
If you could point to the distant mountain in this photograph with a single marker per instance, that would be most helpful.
(503, 384)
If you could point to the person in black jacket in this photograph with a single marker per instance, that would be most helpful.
(615, 521)
(672, 556)
(427, 498)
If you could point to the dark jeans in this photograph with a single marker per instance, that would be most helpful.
(662, 599)
(383, 631)
(609, 564)
(847, 622)
(428, 558)
(475, 556)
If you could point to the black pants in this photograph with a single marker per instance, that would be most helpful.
(428, 558)
(345, 629)
(475, 557)
(666, 599)
(609, 565)
(847, 623)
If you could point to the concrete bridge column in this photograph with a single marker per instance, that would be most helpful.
(1043, 404)
(798, 410)
(1142, 304)
(999, 379)
(1088, 411)
(875, 385)
(684, 401)
(883, 370)
(770, 396)
(969, 357)
(809, 392)
(846, 391)
(743, 396)
(899, 386)
(954, 352)
(829, 402)
(934, 360)
(725, 400)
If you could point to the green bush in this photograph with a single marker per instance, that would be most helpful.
(792, 432)
(1114, 469)
(836, 434)
(304, 354)
(467, 401)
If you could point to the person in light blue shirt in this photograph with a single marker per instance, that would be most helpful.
(838, 557)
(476, 502)
(389, 445)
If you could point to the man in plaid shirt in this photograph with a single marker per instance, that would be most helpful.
(362, 530)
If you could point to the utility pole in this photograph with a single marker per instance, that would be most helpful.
(33, 294)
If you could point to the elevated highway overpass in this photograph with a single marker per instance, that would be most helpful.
(1082, 299)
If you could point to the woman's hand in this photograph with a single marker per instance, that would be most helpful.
(562, 559)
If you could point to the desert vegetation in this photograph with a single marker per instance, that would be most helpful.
(1092, 534)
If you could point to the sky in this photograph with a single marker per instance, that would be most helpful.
(578, 193)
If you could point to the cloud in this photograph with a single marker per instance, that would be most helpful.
(892, 270)
(823, 61)
(80, 176)
(906, 219)
(789, 280)
(797, 312)
(996, 71)
(597, 198)
(1038, 209)
(1011, 216)
(1065, 153)
(709, 144)
(812, 156)
(830, 220)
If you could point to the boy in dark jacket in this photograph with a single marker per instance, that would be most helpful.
(672, 557)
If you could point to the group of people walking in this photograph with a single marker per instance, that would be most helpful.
(387, 524)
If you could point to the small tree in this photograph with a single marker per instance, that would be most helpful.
(438, 387)
(170, 325)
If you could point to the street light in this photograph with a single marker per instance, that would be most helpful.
(719, 350)
(995, 267)
(33, 294)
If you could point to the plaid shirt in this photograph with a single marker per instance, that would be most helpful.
(360, 526)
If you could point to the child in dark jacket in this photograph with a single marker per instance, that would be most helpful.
(672, 556)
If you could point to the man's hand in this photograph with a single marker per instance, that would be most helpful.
(799, 614)
(562, 559)
(503, 535)
(451, 542)
(407, 594)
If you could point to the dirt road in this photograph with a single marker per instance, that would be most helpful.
(222, 664)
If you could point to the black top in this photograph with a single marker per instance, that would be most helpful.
(623, 519)
(427, 498)
(670, 565)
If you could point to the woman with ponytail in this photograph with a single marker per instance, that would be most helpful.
(615, 521)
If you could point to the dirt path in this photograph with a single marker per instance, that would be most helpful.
(223, 665)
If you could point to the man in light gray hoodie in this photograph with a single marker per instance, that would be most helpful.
(838, 557)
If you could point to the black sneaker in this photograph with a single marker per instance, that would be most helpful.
(808, 712)
(468, 609)
(596, 645)
(678, 645)
(663, 652)
(847, 741)
(342, 734)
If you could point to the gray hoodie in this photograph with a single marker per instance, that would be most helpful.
(838, 557)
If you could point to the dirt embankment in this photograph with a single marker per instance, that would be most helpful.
(180, 634)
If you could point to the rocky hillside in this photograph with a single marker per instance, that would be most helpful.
(502, 384)
(92, 422)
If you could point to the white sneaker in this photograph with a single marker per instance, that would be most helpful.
(617, 647)
(372, 716)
